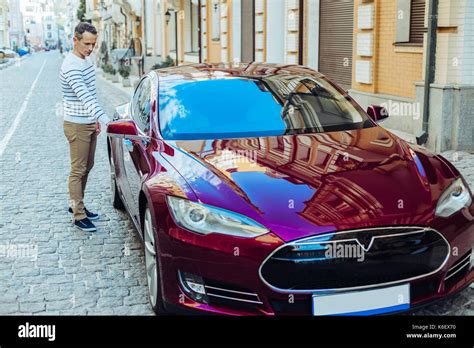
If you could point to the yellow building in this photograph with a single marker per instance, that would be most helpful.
(389, 57)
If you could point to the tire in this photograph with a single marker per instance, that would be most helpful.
(152, 265)
(117, 202)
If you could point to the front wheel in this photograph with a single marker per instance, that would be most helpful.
(152, 265)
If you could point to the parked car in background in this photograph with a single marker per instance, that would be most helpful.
(22, 51)
(263, 189)
(8, 53)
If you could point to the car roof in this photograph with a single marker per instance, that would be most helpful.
(211, 71)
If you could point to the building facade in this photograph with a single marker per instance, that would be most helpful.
(4, 19)
(70, 22)
(17, 32)
(40, 23)
(374, 49)
(33, 22)
(390, 52)
(119, 23)
(50, 28)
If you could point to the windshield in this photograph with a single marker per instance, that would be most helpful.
(254, 107)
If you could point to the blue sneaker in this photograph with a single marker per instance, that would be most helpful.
(85, 225)
(90, 215)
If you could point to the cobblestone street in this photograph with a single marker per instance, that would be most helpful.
(74, 272)
(52, 268)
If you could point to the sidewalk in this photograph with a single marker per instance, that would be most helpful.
(408, 137)
(119, 85)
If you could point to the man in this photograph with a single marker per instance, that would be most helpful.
(82, 114)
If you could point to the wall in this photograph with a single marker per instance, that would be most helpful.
(275, 31)
(247, 30)
(391, 71)
(236, 30)
(451, 122)
(395, 69)
(467, 67)
(312, 33)
(450, 41)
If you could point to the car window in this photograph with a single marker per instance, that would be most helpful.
(236, 107)
(141, 105)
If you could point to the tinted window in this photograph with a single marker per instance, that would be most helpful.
(267, 106)
(141, 106)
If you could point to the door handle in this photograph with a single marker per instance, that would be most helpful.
(128, 144)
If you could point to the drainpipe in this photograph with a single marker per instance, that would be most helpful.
(300, 32)
(199, 31)
(176, 35)
(430, 67)
(253, 29)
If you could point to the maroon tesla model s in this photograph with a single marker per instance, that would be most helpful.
(263, 189)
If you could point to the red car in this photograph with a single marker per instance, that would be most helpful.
(264, 189)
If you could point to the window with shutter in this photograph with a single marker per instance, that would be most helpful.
(417, 21)
(410, 22)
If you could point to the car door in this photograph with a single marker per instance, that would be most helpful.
(136, 161)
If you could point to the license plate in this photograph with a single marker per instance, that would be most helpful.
(367, 302)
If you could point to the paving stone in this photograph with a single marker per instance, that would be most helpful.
(32, 307)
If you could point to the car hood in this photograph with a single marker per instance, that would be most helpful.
(307, 184)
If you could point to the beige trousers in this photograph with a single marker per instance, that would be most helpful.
(82, 140)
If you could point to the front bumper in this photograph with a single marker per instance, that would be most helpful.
(229, 267)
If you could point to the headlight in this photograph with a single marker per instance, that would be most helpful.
(453, 199)
(205, 219)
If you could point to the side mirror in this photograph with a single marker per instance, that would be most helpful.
(377, 113)
(126, 129)
(122, 129)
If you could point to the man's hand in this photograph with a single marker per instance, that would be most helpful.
(97, 128)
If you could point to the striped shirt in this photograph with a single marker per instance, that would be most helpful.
(79, 92)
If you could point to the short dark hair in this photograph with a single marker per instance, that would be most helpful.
(82, 27)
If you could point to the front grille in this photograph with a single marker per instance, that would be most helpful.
(224, 294)
(459, 270)
(355, 259)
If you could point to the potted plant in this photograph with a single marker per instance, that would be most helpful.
(108, 71)
(104, 70)
(124, 71)
(115, 77)
(164, 64)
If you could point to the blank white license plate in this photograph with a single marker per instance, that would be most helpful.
(367, 302)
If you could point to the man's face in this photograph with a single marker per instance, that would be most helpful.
(85, 45)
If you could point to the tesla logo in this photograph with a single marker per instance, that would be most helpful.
(365, 242)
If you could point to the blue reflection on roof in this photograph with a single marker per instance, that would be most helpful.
(223, 108)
